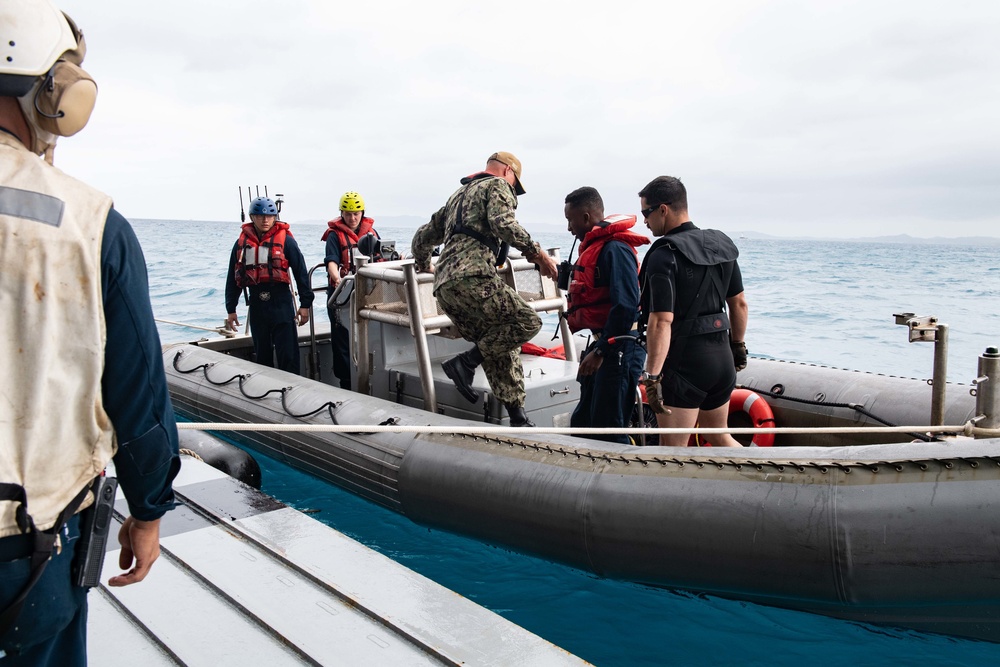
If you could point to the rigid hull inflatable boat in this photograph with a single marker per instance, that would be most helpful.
(904, 533)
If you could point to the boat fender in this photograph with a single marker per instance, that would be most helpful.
(744, 400)
(222, 456)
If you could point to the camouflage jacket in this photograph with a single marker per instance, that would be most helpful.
(489, 204)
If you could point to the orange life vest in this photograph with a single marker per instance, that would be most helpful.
(262, 260)
(348, 239)
(589, 304)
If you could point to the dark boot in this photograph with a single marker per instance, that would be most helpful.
(517, 417)
(462, 370)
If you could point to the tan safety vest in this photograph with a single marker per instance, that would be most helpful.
(55, 436)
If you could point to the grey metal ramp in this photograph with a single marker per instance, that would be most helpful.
(243, 579)
(113, 635)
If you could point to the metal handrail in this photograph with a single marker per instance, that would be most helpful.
(403, 272)
(314, 370)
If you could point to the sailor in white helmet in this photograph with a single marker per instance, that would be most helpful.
(84, 379)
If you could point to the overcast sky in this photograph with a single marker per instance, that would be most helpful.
(836, 118)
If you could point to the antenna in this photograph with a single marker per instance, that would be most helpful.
(243, 216)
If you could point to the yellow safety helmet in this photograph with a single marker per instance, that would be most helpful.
(352, 201)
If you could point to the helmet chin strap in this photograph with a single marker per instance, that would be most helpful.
(42, 142)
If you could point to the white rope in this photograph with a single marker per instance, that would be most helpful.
(491, 429)
(228, 333)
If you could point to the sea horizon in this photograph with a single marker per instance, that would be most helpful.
(413, 222)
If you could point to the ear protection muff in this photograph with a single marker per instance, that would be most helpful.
(66, 97)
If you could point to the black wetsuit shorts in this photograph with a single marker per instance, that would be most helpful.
(704, 376)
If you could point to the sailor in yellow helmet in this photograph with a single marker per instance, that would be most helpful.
(342, 236)
(84, 373)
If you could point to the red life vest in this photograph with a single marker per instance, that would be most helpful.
(588, 303)
(348, 239)
(262, 260)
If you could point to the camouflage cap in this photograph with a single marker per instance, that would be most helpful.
(508, 159)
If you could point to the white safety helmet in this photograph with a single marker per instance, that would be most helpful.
(40, 55)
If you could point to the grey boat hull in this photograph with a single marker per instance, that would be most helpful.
(904, 534)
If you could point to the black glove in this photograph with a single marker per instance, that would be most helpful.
(739, 354)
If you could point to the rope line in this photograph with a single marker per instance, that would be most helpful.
(822, 466)
(222, 331)
(967, 429)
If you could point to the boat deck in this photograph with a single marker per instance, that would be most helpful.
(243, 579)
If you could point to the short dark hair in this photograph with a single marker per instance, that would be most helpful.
(585, 198)
(666, 190)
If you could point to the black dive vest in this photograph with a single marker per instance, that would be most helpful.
(703, 247)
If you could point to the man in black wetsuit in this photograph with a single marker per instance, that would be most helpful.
(688, 279)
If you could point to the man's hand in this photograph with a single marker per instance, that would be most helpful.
(739, 354)
(303, 316)
(546, 265)
(428, 269)
(232, 322)
(140, 542)
(590, 364)
(654, 396)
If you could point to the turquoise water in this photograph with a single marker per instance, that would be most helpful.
(613, 622)
(821, 302)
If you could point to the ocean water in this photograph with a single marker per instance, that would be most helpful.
(814, 301)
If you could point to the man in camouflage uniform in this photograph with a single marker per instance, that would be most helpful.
(475, 227)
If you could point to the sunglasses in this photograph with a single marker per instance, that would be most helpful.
(646, 211)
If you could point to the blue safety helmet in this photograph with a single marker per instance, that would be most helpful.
(263, 206)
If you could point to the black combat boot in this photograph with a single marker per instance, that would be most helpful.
(517, 417)
(462, 370)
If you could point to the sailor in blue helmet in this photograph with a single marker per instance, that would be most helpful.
(260, 263)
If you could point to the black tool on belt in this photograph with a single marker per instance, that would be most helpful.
(95, 524)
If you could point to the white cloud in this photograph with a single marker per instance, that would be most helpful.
(847, 118)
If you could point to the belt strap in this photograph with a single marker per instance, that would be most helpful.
(42, 544)
(16, 547)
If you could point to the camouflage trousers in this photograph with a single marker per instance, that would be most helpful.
(486, 311)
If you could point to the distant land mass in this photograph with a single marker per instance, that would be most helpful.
(894, 238)
(414, 221)
(408, 221)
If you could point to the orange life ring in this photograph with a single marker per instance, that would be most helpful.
(744, 400)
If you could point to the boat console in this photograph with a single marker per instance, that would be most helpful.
(400, 336)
